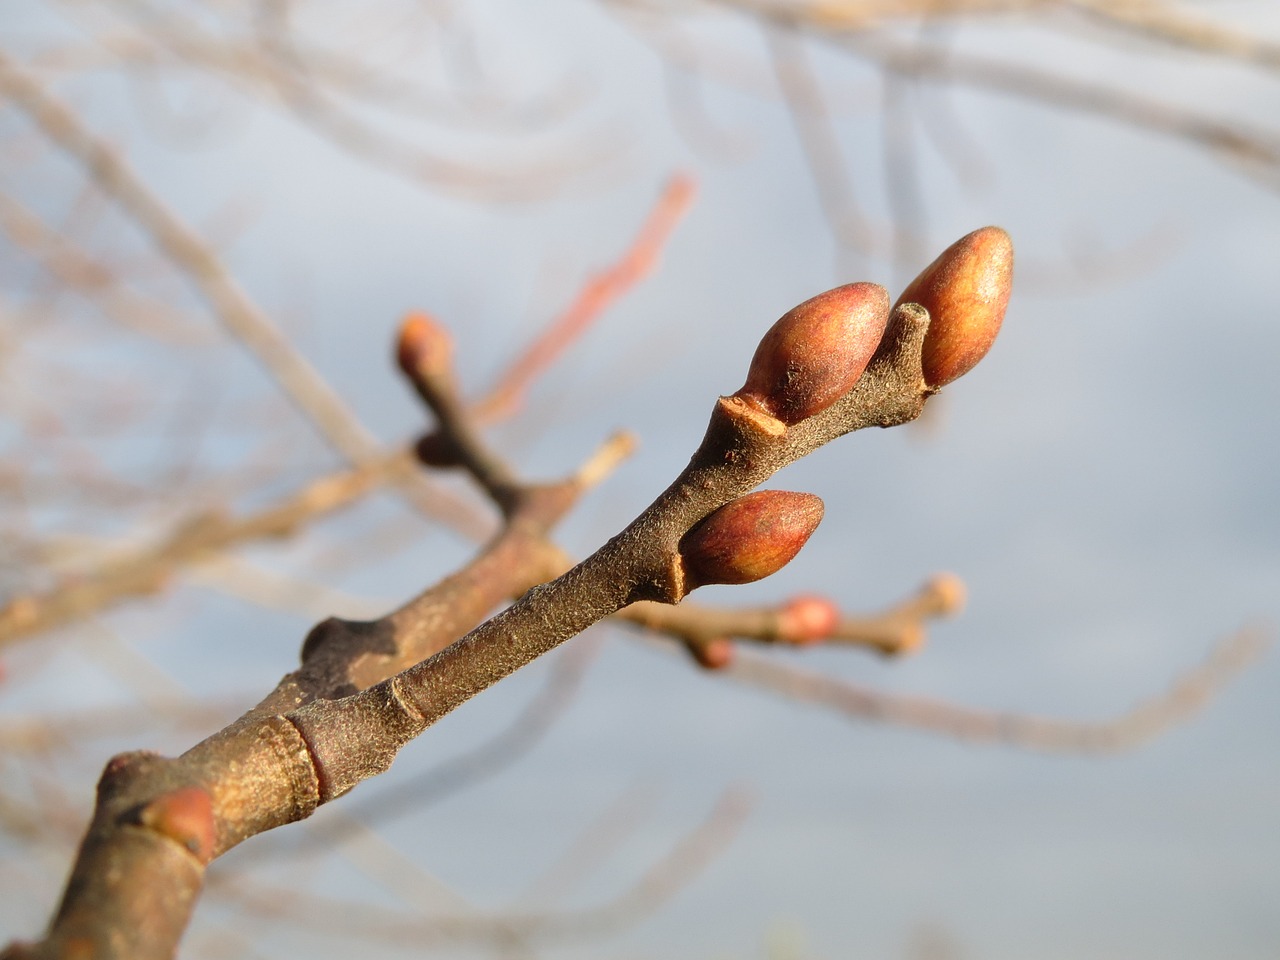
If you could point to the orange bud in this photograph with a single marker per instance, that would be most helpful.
(813, 355)
(184, 815)
(965, 291)
(807, 619)
(749, 538)
(423, 344)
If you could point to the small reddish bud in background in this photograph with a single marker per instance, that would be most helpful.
(965, 291)
(749, 538)
(714, 654)
(815, 353)
(184, 815)
(807, 619)
(423, 346)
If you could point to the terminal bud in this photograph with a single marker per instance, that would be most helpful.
(965, 291)
(749, 538)
(813, 355)
(423, 346)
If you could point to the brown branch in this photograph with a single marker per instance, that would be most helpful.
(826, 368)
(812, 121)
(744, 446)
(158, 822)
(709, 632)
(1186, 695)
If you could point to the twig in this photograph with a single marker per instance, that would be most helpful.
(597, 294)
(812, 122)
(143, 572)
(1182, 698)
(801, 621)
(663, 879)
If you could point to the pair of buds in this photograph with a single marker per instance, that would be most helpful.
(813, 356)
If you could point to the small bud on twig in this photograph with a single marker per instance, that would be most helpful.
(749, 538)
(965, 291)
(184, 815)
(714, 654)
(813, 355)
(423, 347)
(807, 619)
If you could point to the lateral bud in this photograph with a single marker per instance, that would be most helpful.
(714, 654)
(807, 619)
(815, 353)
(965, 290)
(749, 538)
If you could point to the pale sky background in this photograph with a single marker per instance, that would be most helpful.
(1105, 483)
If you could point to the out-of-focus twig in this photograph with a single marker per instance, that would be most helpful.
(77, 270)
(811, 119)
(144, 571)
(801, 621)
(664, 878)
(1182, 698)
(1166, 23)
(594, 298)
(242, 318)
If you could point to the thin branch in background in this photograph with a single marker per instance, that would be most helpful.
(76, 270)
(598, 840)
(597, 295)
(903, 187)
(1186, 695)
(666, 877)
(1165, 23)
(692, 118)
(243, 319)
(141, 572)
(1255, 151)
(832, 175)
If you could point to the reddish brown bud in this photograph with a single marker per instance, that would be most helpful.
(965, 291)
(813, 355)
(749, 538)
(807, 619)
(423, 345)
(436, 450)
(184, 815)
(714, 654)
